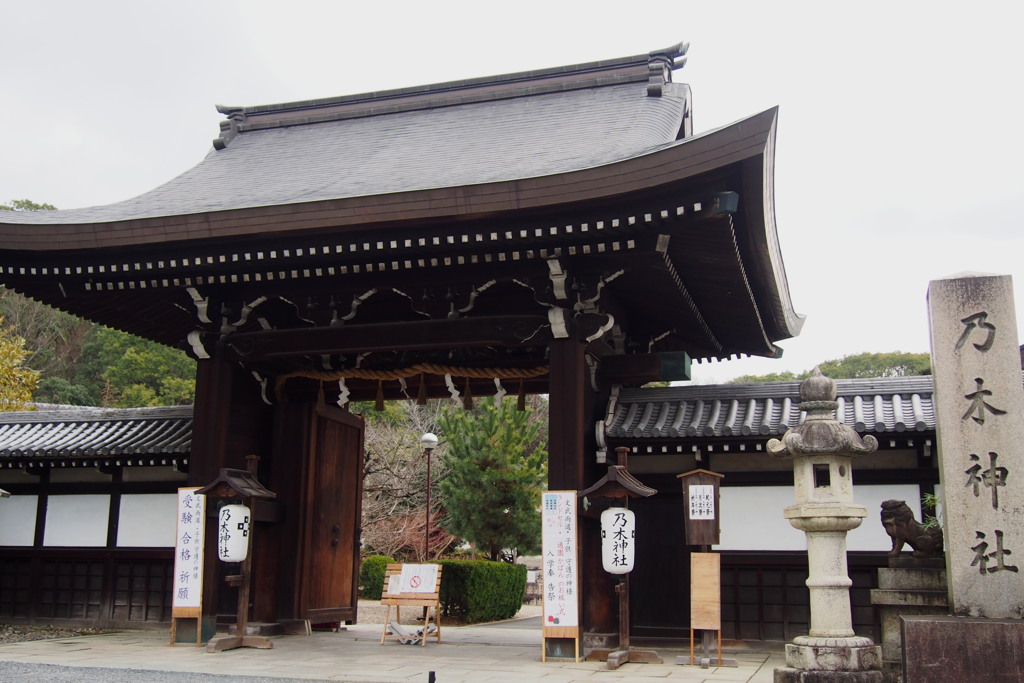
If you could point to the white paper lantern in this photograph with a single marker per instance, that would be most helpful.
(618, 532)
(233, 533)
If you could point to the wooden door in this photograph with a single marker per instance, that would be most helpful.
(329, 571)
(660, 581)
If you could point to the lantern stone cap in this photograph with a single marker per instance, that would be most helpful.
(700, 471)
(820, 434)
(232, 483)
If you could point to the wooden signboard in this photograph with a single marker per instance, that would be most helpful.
(706, 597)
(187, 600)
(411, 585)
(705, 591)
(560, 570)
(700, 506)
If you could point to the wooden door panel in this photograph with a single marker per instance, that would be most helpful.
(334, 484)
(662, 566)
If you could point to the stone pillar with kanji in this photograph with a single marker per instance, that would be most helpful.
(979, 411)
(979, 406)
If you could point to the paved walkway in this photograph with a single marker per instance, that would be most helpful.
(506, 651)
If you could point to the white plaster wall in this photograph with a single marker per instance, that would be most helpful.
(751, 517)
(18, 520)
(147, 520)
(870, 535)
(77, 521)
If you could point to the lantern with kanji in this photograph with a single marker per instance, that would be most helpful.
(233, 533)
(618, 533)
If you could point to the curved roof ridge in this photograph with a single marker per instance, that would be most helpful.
(492, 129)
(512, 84)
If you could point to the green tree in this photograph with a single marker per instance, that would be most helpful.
(125, 371)
(497, 467)
(26, 205)
(855, 366)
(785, 376)
(17, 382)
(863, 365)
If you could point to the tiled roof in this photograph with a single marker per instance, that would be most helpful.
(883, 405)
(495, 129)
(96, 432)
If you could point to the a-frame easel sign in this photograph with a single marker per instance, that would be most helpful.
(561, 574)
(187, 598)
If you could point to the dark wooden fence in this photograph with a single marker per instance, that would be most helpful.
(109, 588)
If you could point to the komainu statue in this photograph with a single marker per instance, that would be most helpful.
(899, 523)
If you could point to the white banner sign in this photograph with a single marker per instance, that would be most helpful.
(418, 578)
(702, 501)
(561, 590)
(188, 551)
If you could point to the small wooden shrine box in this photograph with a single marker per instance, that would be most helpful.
(700, 506)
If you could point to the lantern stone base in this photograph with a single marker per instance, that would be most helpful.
(819, 660)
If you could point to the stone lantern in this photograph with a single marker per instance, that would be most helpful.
(822, 450)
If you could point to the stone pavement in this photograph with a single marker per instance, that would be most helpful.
(505, 651)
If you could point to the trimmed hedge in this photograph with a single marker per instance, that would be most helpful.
(473, 591)
(371, 576)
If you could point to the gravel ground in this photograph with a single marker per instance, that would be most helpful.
(14, 633)
(370, 612)
(57, 673)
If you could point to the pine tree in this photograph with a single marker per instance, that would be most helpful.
(497, 466)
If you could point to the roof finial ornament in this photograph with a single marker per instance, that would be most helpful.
(230, 128)
(661, 64)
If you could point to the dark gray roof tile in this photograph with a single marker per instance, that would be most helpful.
(87, 432)
(881, 405)
(500, 139)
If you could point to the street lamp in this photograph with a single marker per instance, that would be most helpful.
(428, 442)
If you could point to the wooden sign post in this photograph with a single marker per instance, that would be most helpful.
(239, 485)
(560, 571)
(701, 523)
(412, 585)
(618, 486)
(187, 599)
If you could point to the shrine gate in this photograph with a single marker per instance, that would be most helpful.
(561, 231)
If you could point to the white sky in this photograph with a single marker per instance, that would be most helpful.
(898, 157)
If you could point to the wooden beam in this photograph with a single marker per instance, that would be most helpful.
(507, 330)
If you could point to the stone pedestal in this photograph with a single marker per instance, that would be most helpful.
(947, 648)
(909, 586)
(818, 660)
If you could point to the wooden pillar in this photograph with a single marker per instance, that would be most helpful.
(566, 422)
(208, 456)
(230, 421)
(210, 416)
(573, 410)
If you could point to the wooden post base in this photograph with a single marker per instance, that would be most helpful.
(617, 658)
(707, 662)
(229, 642)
